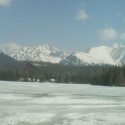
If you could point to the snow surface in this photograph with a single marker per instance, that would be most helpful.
(24, 103)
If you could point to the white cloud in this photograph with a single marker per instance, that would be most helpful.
(108, 34)
(11, 47)
(119, 13)
(82, 15)
(122, 36)
(5, 2)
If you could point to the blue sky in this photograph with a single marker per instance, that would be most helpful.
(66, 24)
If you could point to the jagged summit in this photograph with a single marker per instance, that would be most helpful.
(101, 55)
(98, 55)
(43, 53)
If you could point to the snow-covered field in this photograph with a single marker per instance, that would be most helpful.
(60, 104)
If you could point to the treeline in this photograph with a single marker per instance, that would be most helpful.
(96, 75)
(10, 75)
(109, 76)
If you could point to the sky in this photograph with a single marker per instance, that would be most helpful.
(72, 25)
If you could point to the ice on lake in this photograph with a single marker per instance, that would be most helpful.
(60, 104)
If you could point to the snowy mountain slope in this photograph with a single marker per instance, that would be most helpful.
(95, 56)
(98, 55)
(43, 53)
(118, 54)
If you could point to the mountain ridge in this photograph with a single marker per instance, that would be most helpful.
(100, 55)
(43, 53)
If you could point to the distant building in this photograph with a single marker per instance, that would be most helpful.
(21, 79)
(31, 73)
(38, 80)
(29, 79)
(52, 80)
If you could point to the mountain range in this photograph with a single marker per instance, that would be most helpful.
(100, 55)
(43, 53)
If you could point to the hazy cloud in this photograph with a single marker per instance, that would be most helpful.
(119, 13)
(12, 47)
(108, 34)
(122, 36)
(5, 2)
(82, 15)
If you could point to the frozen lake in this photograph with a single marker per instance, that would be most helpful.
(60, 104)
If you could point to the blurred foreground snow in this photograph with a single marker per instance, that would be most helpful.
(60, 104)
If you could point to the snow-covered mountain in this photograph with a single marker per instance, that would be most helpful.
(43, 53)
(98, 55)
(114, 55)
